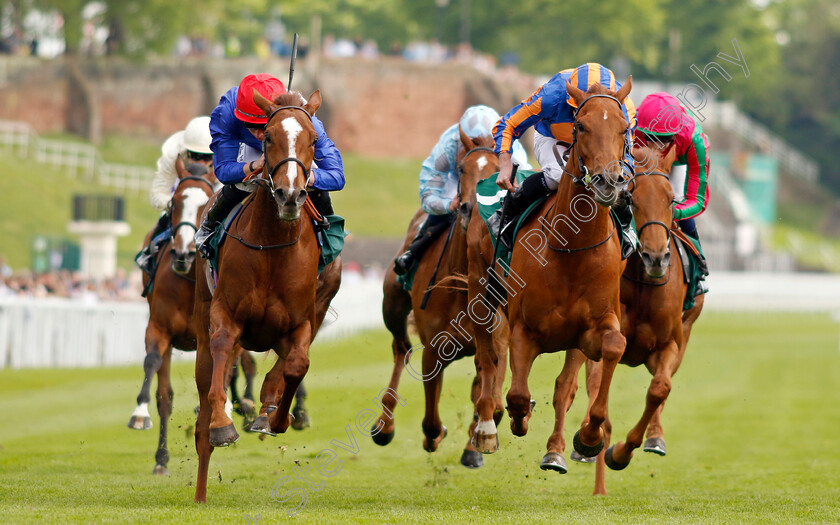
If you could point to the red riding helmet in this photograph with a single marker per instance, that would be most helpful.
(266, 85)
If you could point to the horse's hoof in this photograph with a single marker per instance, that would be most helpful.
(140, 423)
(244, 407)
(381, 438)
(300, 420)
(431, 447)
(533, 404)
(574, 456)
(655, 445)
(247, 422)
(160, 470)
(270, 409)
(223, 436)
(586, 450)
(472, 459)
(485, 437)
(611, 462)
(262, 426)
(554, 461)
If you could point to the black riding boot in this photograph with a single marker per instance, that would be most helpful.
(146, 258)
(433, 226)
(532, 189)
(228, 197)
(321, 200)
(629, 240)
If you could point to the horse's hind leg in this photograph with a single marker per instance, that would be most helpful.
(272, 384)
(655, 442)
(301, 416)
(156, 345)
(433, 367)
(396, 305)
(249, 367)
(296, 366)
(565, 387)
(164, 404)
(619, 455)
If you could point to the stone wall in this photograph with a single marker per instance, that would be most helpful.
(378, 108)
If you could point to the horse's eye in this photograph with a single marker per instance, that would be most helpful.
(268, 137)
(581, 128)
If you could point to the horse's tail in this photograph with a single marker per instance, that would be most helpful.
(457, 282)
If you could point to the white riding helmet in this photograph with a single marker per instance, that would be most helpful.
(197, 135)
(478, 121)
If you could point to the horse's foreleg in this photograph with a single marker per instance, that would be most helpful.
(523, 351)
(589, 440)
(296, 366)
(268, 396)
(485, 435)
(565, 387)
(619, 455)
(164, 404)
(156, 345)
(396, 305)
(471, 458)
(501, 338)
(222, 431)
(203, 380)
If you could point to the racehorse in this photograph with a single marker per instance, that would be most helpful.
(563, 284)
(652, 319)
(266, 295)
(171, 302)
(439, 312)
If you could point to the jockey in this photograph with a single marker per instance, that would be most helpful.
(183, 148)
(439, 180)
(663, 124)
(238, 129)
(551, 111)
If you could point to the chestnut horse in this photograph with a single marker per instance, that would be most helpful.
(266, 293)
(441, 321)
(171, 302)
(564, 278)
(652, 319)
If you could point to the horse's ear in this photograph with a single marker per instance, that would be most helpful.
(577, 95)
(314, 102)
(263, 103)
(465, 140)
(625, 89)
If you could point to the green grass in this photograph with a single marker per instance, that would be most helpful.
(751, 427)
(379, 199)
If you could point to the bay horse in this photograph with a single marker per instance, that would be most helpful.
(266, 297)
(563, 284)
(439, 312)
(652, 320)
(171, 302)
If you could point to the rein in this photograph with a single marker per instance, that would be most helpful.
(572, 250)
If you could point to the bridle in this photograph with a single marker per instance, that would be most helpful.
(465, 214)
(268, 182)
(650, 223)
(586, 179)
(174, 229)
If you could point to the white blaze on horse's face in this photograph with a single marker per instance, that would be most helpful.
(292, 128)
(193, 199)
(481, 162)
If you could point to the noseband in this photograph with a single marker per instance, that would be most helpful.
(174, 229)
(586, 178)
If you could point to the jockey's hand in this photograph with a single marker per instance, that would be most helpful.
(453, 206)
(505, 168)
(257, 166)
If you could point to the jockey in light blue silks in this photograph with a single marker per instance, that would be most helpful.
(439, 180)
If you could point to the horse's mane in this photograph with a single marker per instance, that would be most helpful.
(290, 98)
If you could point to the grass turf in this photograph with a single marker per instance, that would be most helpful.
(750, 425)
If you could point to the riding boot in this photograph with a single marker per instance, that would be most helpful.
(530, 191)
(433, 226)
(228, 197)
(145, 260)
(629, 240)
(690, 229)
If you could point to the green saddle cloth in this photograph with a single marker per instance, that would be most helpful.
(691, 271)
(490, 199)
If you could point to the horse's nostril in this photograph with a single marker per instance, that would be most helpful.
(646, 259)
(666, 260)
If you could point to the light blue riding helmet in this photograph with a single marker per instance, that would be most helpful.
(478, 121)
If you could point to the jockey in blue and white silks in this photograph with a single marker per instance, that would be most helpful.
(440, 178)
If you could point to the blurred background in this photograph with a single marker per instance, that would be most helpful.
(89, 90)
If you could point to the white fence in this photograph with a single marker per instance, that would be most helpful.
(78, 159)
(68, 333)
